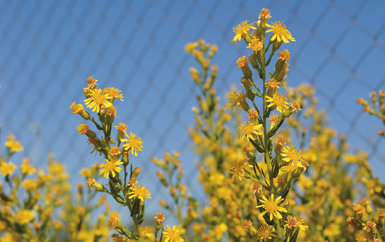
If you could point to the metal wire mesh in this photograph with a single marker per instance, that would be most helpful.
(48, 48)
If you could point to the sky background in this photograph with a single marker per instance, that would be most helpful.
(48, 49)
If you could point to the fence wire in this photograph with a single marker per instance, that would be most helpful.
(48, 49)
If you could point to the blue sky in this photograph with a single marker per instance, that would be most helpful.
(49, 48)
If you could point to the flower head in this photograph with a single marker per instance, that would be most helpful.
(238, 170)
(7, 168)
(113, 92)
(24, 216)
(173, 234)
(271, 206)
(265, 14)
(289, 154)
(265, 232)
(110, 167)
(133, 144)
(236, 98)
(251, 129)
(277, 101)
(159, 218)
(280, 32)
(141, 192)
(76, 108)
(91, 82)
(13, 144)
(242, 62)
(241, 29)
(294, 222)
(83, 128)
(97, 99)
(255, 44)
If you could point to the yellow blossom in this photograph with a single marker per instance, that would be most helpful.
(97, 99)
(13, 144)
(284, 55)
(133, 144)
(190, 47)
(252, 114)
(113, 93)
(236, 98)
(238, 170)
(76, 108)
(29, 185)
(278, 102)
(294, 222)
(242, 62)
(141, 192)
(83, 128)
(7, 168)
(173, 234)
(289, 154)
(241, 29)
(265, 232)
(280, 33)
(24, 216)
(159, 218)
(26, 168)
(91, 82)
(256, 45)
(271, 206)
(251, 130)
(265, 14)
(110, 167)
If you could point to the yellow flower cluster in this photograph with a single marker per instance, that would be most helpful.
(39, 206)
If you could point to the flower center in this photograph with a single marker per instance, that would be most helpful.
(99, 99)
(271, 206)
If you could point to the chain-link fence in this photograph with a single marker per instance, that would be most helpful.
(48, 49)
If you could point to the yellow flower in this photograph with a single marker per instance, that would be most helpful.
(29, 185)
(13, 144)
(83, 128)
(277, 101)
(265, 14)
(133, 143)
(110, 167)
(265, 233)
(113, 92)
(255, 44)
(76, 108)
(242, 62)
(7, 168)
(159, 218)
(24, 216)
(26, 168)
(284, 55)
(289, 154)
(238, 170)
(241, 29)
(271, 207)
(250, 130)
(294, 222)
(252, 114)
(236, 98)
(190, 47)
(141, 192)
(280, 33)
(173, 235)
(97, 99)
(91, 82)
